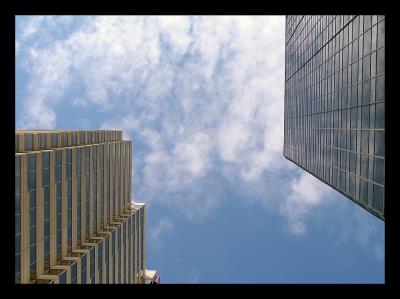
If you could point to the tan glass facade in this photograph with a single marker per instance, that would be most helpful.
(74, 218)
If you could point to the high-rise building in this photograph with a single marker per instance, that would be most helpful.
(335, 103)
(74, 219)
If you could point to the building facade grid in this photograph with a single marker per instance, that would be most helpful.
(74, 219)
(335, 103)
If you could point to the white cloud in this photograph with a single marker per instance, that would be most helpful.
(162, 227)
(17, 48)
(306, 193)
(32, 26)
(357, 227)
(203, 95)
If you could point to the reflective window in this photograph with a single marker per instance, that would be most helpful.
(92, 263)
(379, 171)
(42, 141)
(381, 33)
(83, 269)
(366, 92)
(338, 74)
(28, 142)
(378, 198)
(380, 65)
(74, 274)
(63, 278)
(380, 143)
(54, 139)
(367, 42)
(380, 116)
(366, 67)
(17, 220)
(64, 139)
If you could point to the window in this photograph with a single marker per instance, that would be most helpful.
(74, 273)
(379, 171)
(378, 198)
(366, 67)
(64, 139)
(100, 260)
(54, 139)
(58, 179)
(379, 117)
(381, 33)
(63, 278)
(367, 42)
(380, 143)
(92, 274)
(28, 142)
(380, 88)
(17, 148)
(42, 141)
(353, 118)
(364, 141)
(364, 191)
(355, 50)
(17, 220)
(365, 117)
(353, 142)
(83, 269)
(82, 137)
(380, 66)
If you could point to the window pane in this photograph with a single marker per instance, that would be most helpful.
(380, 116)
(42, 141)
(366, 92)
(379, 171)
(366, 68)
(32, 162)
(378, 198)
(18, 223)
(373, 64)
(380, 88)
(380, 143)
(45, 177)
(58, 158)
(367, 42)
(33, 230)
(54, 139)
(381, 33)
(28, 142)
(364, 192)
(364, 141)
(365, 117)
(380, 65)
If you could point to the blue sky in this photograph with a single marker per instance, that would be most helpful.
(202, 99)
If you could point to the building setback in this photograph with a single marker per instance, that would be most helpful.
(74, 219)
(335, 103)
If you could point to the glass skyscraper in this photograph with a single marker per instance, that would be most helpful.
(74, 219)
(335, 103)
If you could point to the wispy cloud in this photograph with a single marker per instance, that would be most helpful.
(202, 98)
(162, 227)
(306, 193)
(357, 227)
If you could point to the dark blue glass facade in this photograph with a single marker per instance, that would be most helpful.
(335, 103)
